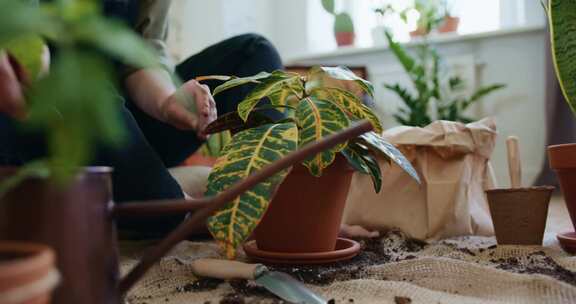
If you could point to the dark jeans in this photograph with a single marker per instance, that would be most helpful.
(140, 166)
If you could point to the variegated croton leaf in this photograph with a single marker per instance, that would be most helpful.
(349, 103)
(342, 73)
(361, 160)
(317, 119)
(379, 145)
(248, 152)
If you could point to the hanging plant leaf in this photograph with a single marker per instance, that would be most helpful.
(248, 152)
(343, 73)
(376, 143)
(562, 20)
(317, 119)
(349, 103)
(359, 158)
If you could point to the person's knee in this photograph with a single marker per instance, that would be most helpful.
(258, 45)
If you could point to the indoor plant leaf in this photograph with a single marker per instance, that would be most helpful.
(28, 51)
(349, 103)
(388, 151)
(562, 20)
(268, 86)
(248, 152)
(359, 158)
(234, 82)
(317, 119)
(343, 73)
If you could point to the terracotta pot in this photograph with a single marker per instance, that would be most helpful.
(345, 38)
(306, 212)
(27, 273)
(74, 221)
(519, 215)
(563, 160)
(449, 25)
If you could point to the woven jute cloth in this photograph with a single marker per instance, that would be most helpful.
(390, 269)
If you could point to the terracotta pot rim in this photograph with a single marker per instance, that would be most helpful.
(30, 257)
(561, 146)
(344, 248)
(525, 189)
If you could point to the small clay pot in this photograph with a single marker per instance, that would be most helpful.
(563, 160)
(27, 273)
(449, 25)
(519, 215)
(345, 38)
(306, 212)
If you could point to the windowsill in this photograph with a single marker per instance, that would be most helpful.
(436, 39)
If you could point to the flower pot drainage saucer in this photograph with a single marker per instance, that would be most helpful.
(345, 250)
(567, 241)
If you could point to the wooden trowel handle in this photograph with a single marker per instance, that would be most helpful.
(223, 269)
(514, 166)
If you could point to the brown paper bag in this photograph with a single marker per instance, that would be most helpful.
(452, 161)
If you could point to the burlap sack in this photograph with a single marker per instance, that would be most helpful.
(452, 161)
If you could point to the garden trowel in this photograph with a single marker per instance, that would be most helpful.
(280, 284)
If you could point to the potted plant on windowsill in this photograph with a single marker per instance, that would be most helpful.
(562, 21)
(305, 213)
(343, 24)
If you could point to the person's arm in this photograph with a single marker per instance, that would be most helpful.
(189, 107)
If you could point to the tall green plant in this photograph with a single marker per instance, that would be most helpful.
(77, 104)
(313, 111)
(431, 89)
(562, 23)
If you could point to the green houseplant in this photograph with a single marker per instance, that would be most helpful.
(80, 89)
(562, 25)
(432, 90)
(343, 24)
(313, 111)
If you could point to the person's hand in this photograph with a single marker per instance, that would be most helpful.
(192, 107)
(11, 97)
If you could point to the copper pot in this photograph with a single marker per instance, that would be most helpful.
(78, 222)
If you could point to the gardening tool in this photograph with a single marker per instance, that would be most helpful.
(518, 214)
(81, 228)
(280, 284)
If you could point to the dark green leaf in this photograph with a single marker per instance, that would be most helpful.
(359, 158)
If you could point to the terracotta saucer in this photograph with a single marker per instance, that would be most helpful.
(345, 250)
(567, 241)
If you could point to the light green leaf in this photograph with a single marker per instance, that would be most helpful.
(349, 103)
(267, 87)
(329, 6)
(238, 81)
(28, 51)
(248, 152)
(376, 143)
(343, 73)
(318, 119)
(359, 158)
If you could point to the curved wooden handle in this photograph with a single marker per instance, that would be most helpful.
(224, 269)
(514, 165)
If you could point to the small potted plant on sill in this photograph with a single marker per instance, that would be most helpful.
(343, 24)
(304, 216)
(449, 23)
(562, 157)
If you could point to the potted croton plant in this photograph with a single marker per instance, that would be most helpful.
(304, 214)
(563, 157)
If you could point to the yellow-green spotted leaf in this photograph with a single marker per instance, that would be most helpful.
(359, 158)
(562, 19)
(28, 51)
(379, 145)
(277, 81)
(317, 119)
(248, 152)
(343, 73)
(349, 103)
(238, 81)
